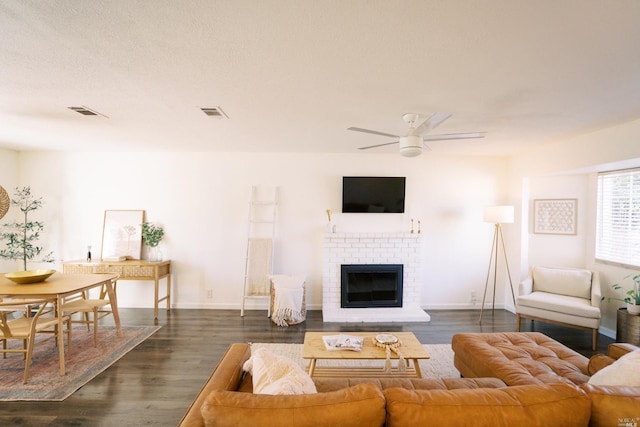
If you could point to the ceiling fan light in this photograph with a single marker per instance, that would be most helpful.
(410, 151)
(410, 146)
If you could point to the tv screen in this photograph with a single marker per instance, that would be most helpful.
(373, 194)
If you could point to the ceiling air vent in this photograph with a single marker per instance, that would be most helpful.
(85, 111)
(215, 112)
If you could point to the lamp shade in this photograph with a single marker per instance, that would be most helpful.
(499, 214)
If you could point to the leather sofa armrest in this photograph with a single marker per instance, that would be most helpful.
(526, 286)
(226, 377)
(597, 362)
(618, 349)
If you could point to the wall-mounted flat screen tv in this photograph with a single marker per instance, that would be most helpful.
(373, 194)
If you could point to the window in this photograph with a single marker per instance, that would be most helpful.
(618, 222)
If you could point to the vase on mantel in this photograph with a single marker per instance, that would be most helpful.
(154, 254)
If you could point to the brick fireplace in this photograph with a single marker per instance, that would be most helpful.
(372, 248)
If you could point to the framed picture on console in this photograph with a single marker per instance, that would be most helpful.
(555, 216)
(122, 234)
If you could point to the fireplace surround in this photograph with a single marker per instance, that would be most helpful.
(372, 248)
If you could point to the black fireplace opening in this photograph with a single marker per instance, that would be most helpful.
(371, 285)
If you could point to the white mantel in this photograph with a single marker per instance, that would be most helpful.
(372, 248)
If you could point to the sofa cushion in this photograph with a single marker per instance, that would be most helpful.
(613, 405)
(565, 281)
(360, 405)
(539, 405)
(624, 371)
(324, 384)
(275, 374)
(559, 303)
(518, 358)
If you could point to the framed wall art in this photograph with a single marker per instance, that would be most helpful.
(122, 234)
(555, 216)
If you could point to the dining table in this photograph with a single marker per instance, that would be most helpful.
(56, 288)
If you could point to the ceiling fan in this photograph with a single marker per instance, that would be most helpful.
(412, 143)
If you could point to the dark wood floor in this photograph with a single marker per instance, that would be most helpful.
(155, 383)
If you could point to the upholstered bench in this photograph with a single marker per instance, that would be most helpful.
(518, 358)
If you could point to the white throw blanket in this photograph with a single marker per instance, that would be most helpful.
(288, 299)
(259, 252)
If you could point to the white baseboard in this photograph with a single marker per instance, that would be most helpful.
(250, 305)
(607, 332)
(465, 306)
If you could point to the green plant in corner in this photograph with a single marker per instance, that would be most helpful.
(21, 236)
(151, 234)
(632, 295)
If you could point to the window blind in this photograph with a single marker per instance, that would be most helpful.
(618, 220)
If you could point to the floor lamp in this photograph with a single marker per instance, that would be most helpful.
(497, 215)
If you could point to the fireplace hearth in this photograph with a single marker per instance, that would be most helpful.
(371, 285)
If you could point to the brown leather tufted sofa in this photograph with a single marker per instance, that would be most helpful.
(534, 358)
(227, 400)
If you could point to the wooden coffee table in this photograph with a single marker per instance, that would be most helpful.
(315, 350)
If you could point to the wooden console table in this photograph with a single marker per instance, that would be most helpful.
(129, 270)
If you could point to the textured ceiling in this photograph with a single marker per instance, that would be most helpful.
(293, 75)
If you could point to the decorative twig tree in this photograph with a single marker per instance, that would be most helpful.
(21, 236)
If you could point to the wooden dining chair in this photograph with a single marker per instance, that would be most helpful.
(22, 320)
(83, 304)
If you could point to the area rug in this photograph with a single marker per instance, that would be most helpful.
(84, 363)
(440, 365)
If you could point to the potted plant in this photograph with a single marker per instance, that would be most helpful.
(151, 236)
(21, 236)
(632, 296)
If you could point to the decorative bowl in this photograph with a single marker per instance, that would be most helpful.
(386, 339)
(29, 276)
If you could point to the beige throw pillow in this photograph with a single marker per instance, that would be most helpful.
(564, 281)
(274, 374)
(624, 371)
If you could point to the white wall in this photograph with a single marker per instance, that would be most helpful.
(552, 249)
(9, 181)
(201, 199)
(567, 169)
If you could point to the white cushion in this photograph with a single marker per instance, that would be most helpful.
(624, 371)
(564, 281)
(274, 374)
(556, 316)
(560, 304)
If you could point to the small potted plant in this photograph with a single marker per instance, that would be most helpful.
(632, 296)
(151, 236)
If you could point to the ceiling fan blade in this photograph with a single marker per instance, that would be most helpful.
(378, 145)
(432, 122)
(446, 136)
(375, 132)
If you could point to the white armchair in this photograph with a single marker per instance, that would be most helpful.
(562, 296)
